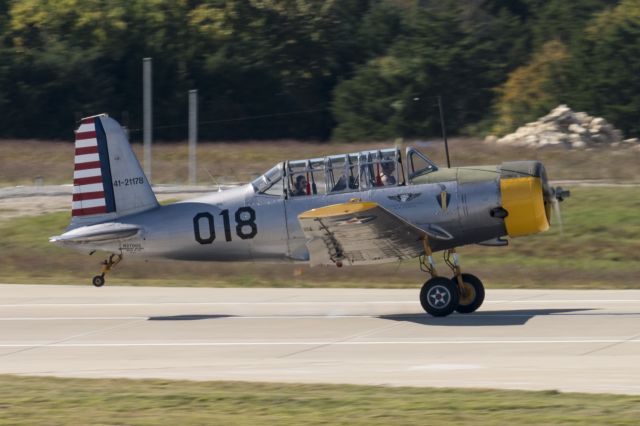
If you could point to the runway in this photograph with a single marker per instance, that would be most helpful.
(583, 341)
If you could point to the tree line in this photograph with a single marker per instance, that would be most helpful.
(317, 69)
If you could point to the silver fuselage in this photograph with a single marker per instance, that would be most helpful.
(183, 230)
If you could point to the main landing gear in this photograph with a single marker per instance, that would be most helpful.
(441, 296)
(107, 264)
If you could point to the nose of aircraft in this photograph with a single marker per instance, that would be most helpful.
(527, 197)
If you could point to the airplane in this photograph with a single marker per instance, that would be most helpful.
(361, 208)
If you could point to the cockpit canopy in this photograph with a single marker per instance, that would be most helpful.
(334, 174)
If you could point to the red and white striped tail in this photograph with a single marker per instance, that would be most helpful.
(108, 182)
(92, 186)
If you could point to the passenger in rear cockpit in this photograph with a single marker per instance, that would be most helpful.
(387, 175)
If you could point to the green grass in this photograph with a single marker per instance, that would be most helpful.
(600, 248)
(53, 401)
(601, 240)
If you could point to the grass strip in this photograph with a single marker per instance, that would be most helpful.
(56, 401)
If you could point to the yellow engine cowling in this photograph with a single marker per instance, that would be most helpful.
(523, 199)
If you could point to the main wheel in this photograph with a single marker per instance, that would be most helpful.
(472, 294)
(98, 280)
(439, 296)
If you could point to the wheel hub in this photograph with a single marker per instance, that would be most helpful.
(438, 296)
(467, 294)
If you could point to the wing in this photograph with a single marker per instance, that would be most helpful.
(362, 233)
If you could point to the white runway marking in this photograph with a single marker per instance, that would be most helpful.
(224, 317)
(321, 303)
(71, 318)
(305, 303)
(316, 343)
(445, 367)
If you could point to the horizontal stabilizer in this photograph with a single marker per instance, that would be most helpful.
(97, 233)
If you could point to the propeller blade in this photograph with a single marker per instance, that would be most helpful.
(555, 197)
(557, 214)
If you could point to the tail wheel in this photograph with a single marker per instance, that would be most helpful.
(98, 280)
(471, 294)
(439, 296)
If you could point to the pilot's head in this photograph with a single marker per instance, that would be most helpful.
(301, 182)
(388, 166)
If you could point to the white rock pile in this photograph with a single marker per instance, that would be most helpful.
(564, 127)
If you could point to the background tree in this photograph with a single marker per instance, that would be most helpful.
(272, 68)
(602, 75)
(443, 52)
(563, 20)
(531, 90)
(293, 53)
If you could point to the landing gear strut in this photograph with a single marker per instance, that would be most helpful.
(107, 264)
(470, 287)
(441, 296)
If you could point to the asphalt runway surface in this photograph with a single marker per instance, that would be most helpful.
(584, 341)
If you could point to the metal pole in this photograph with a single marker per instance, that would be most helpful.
(193, 134)
(444, 131)
(147, 115)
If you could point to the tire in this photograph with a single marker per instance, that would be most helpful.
(471, 301)
(439, 296)
(98, 281)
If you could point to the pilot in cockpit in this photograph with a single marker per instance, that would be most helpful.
(300, 186)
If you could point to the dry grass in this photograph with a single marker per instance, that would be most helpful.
(22, 161)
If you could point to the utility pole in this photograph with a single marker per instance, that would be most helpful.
(147, 114)
(193, 134)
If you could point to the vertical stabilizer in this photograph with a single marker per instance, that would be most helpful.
(108, 181)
